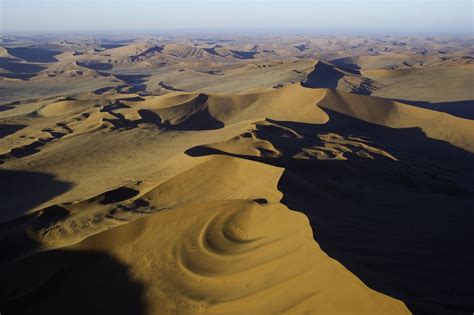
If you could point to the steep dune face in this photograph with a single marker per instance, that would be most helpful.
(436, 125)
(127, 50)
(213, 179)
(64, 107)
(436, 78)
(239, 179)
(177, 110)
(292, 103)
(185, 51)
(237, 257)
(327, 75)
(228, 257)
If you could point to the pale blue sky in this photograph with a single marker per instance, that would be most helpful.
(351, 16)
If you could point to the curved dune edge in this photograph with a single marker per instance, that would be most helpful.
(66, 107)
(237, 257)
(221, 250)
(436, 125)
(223, 257)
(292, 103)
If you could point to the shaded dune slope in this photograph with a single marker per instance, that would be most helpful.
(215, 234)
(373, 184)
(327, 75)
(230, 257)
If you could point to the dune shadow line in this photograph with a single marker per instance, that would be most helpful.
(403, 227)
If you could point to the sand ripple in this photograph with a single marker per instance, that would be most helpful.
(236, 257)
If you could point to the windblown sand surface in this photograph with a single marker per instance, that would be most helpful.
(232, 177)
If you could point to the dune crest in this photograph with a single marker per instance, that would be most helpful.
(392, 114)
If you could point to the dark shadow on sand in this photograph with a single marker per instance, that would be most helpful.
(99, 66)
(211, 51)
(104, 90)
(327, 76)
(58, 281)
(301, 47)
(323, 76)
(21, 191)
(110, 46)
(34, 147)
(34, 54)
(136, 82)
(147, 53)
(347, 66)
(244, 54)
(70, 282)
(198, 120)
(6, 130)
(19, 68)
(403, 227)
(4, 108)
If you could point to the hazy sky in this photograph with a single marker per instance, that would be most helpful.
(352, 16)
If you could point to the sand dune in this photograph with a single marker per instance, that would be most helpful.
(326, 75)
(286, 175)
(232, 257)
(397, 115)
(127, 50)
(437, 84)
(64, 107)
